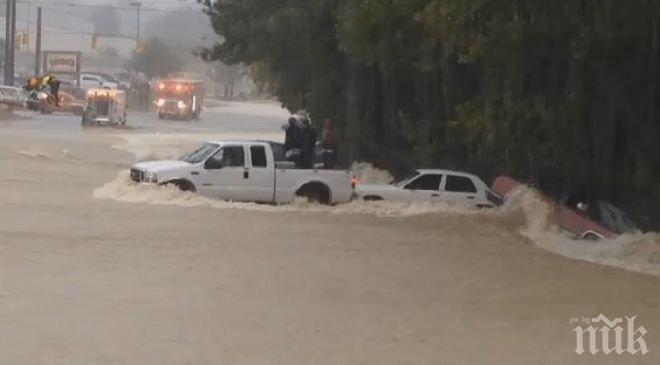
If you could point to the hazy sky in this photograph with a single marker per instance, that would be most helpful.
(68, 23)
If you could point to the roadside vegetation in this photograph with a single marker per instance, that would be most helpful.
(561, 92)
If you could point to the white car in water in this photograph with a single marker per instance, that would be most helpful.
(431, 186)
(247, 172)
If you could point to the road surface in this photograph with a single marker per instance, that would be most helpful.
(96, 271)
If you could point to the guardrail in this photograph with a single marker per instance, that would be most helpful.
(13, 96)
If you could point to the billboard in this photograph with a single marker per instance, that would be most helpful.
(62, 62)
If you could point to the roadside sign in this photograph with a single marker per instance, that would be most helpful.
(63, 63)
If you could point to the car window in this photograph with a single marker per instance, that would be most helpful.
(258, 154)
(234, 156)
(460, 184)
(403, 181)
(425, 182)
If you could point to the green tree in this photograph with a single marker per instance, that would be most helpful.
(564, 92)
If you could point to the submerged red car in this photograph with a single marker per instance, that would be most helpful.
(602, 221)
(68, 104)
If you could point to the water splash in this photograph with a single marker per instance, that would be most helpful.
(124, 190)
(638, 252)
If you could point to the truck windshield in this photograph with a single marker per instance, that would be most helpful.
(200, 154)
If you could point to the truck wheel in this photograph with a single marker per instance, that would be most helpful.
(315, 193)
(160, 115)
(183, 185)
(372, 198)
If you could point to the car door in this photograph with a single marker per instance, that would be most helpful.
(424, 188)
(459, 189)
(224, 174)
(260, 183)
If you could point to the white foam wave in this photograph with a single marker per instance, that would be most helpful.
(124, 190)
(635, 252)
(33, 153)
(369, 174)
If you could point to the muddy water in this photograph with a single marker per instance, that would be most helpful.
(95, 270)
(636, 252)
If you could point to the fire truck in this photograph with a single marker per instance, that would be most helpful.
(179, 99)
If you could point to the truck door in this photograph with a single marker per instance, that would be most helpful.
(260, 175)
(223, 175)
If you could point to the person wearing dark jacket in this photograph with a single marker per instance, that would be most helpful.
(292, 135)
(308, 145)
(293, 141)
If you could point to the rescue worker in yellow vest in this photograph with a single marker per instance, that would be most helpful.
(54, 85)
(40, 83)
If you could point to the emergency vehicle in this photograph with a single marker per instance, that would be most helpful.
(104, 107)
(180, 99)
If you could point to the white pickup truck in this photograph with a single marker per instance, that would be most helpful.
(246, 172)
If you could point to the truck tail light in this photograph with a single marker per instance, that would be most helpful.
(355, 181)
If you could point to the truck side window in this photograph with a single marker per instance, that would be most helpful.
(234, 156)
(258, 154)
(425, 182)
(460, 184)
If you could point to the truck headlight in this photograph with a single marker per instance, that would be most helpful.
(151, 177)
(181, 104)
(160, 102)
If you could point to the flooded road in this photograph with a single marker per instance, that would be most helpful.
(96, 271)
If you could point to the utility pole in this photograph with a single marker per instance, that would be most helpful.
(37, 51)
(137, 5)
(10, 37)
(28, 25)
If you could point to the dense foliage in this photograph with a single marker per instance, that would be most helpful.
(562, 92)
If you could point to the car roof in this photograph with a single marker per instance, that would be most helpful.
(445, 172)
(241, 142)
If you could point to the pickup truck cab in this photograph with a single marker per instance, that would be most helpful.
(94, 81)
(431, 186)
(246, 172)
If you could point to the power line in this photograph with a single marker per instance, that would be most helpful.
(67, 4)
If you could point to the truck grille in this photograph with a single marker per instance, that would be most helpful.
(137, 175)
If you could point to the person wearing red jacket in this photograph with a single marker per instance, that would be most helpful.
(328, 144)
